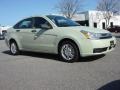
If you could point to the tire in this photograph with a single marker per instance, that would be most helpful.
(69, 52)
(14, 50)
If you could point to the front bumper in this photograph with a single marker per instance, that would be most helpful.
(97, 47)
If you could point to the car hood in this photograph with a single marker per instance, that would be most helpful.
(88, 29)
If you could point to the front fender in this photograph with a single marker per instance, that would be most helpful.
(75, 38)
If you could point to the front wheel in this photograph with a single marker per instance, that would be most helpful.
(14, 48)
(69, 51)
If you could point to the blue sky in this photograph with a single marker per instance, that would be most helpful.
(12, 11)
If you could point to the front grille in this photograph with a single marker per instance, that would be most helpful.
(99, 50)
(106, 36)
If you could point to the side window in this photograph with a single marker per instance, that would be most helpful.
(24, 24)
(41, 22)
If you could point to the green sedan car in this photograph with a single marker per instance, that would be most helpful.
(58, 35)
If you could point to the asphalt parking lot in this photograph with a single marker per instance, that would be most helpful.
(35, 71)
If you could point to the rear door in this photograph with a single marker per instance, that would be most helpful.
(24, 32)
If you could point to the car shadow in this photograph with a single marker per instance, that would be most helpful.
(115, 85)
(35, 54)
(54, 56)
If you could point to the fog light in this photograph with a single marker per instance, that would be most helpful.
(99, 50)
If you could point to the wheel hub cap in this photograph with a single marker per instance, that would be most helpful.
(13, 48)
(67, 52)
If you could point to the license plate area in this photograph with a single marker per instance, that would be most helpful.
(112, 44)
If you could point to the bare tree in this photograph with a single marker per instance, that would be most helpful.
(69, 7)
(108, 8)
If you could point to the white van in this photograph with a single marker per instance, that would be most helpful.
(3, 30)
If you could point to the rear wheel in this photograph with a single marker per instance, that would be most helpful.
(14, 48)
(69, 51)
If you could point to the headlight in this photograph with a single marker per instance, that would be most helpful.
(90, 35)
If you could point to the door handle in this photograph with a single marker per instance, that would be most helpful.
(17, 30)
(33, 31)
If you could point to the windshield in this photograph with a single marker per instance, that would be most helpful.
(62, 21)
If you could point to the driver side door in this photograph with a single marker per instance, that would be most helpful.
(44, 35)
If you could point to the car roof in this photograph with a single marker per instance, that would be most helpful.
(43, 16)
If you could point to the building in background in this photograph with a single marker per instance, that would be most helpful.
(96, 19)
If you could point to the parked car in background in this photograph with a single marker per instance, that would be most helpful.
(115, 29)
(3, 31)
(58, 35)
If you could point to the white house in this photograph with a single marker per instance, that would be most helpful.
(95, 19)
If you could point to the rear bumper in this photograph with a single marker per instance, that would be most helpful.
(7, 42)
(97, 47)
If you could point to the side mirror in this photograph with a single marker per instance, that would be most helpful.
(46, 26)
